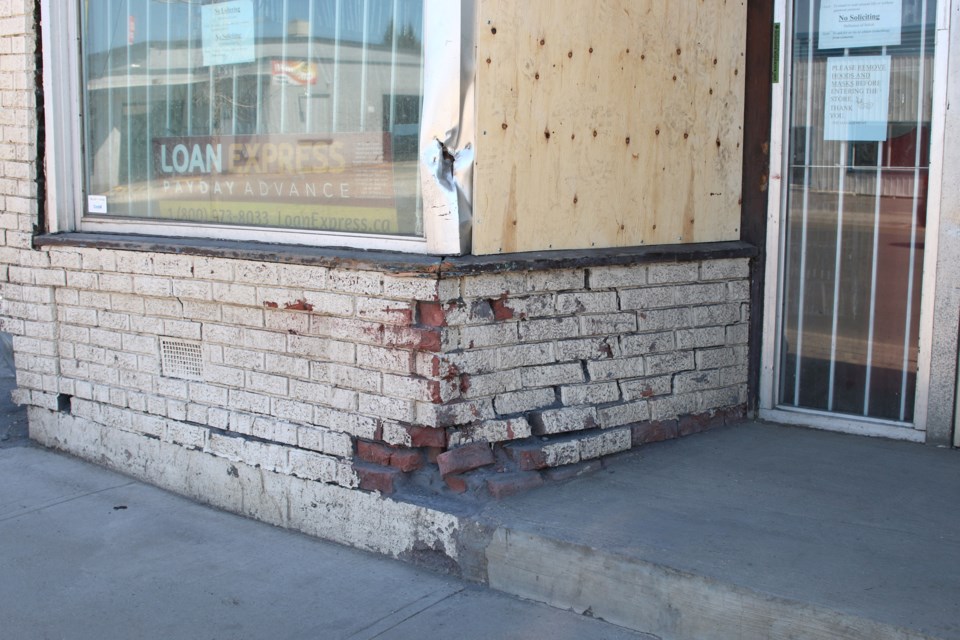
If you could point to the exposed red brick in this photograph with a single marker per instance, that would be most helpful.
(457, 484)
(428, 339)
(271, 305)
(427, 437)
(374, 452)
(500, 309)
(465, 458)
(654, 432)
(433, 453)
(529, 457)
(406, 460)
(734, 415)
(377, 478)
(508, 484)
(299, 305)
(698, 423)
(431, 314)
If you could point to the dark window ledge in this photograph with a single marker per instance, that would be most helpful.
(402, 263)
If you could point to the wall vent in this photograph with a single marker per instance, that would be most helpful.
(181, 359)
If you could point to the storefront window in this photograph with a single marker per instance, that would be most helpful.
(288, 114)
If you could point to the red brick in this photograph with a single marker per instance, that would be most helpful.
(465, 458)
(431, 314)
(406, 460)
(377, 478)
(457, 484)
(500, 309)
(433, 453)
(692, 424)
(508, 484)
(427, 437)
(374, 452)
(529, 457)
(649, 432)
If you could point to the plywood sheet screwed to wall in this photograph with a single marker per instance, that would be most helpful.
(608, 123)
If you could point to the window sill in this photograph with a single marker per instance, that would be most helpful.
(402, 263)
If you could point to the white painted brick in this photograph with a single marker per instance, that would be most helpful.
(274, 430)
(410, 288)
(287, 365)
(564, 420)
(617, 277)
(263, 273)
(355, 378)
(267, 456)
(673, 273)
(151, 286)
(197, 413)
(312, 466)
(488, 335)
(330, 303)
(246, 316)
(172, 265)
(718, 314)
(674, 406)
(662, 319)
(292, 410)
(192, 289)
(266, 383)
(557, 454)
(396, 435)
(134, 262)
(234, 294)
(492, 383)
(556, 280)
(114, 321)
(528, 307)
(716, 358)
(392, 360)
(604, 444)
(625, 413)
(209, 311)
(691, 294)
(146, 345)
(422, 389)
(693, 381)
(591, 394)
(726, 397)
(222, 334)
(549, 329)
(387, 311)
(732, 376)
(662, 363)
(126, 303)
(587, 349)
(648, 387)
(729, 269)
(65, 258)
(213, 269)
(248, 401)
(493, 285)
(115, 283)
(738, 334)
(218, 418)
(302, 276)
(552, 375)
(346, 422)
(615, 369)
(182, 329)
(51, 278)
(526, 355)
(647, 298)
(454, 413)
(606, 324)
(701, 337)
(738, 291)
(366, 283)
(173, 388)
(167, 307)
(588, 302)
(492, 431)
(146, 324)
(187, 435)
(95, 299)
(381, 406)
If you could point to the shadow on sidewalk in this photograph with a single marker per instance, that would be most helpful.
(13, 419)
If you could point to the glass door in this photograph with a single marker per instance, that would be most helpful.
(856, 137)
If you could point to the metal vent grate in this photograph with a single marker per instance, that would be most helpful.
(181, 359)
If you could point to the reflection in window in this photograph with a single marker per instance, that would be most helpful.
(300, 114)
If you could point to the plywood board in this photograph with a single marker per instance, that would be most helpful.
(608, 123)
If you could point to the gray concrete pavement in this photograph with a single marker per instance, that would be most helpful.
(87, 553)
(750, 531)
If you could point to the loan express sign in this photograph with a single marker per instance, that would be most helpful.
(335, 183)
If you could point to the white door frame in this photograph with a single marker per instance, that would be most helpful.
(776, 238)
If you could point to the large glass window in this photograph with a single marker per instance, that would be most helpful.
(290, 114)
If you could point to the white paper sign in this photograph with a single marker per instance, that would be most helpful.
(848, 24)
(228, 32)
(96, 204)
(857, 98)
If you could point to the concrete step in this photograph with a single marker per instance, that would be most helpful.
(755, 531)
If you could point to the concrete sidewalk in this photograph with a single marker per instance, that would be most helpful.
(752, 531)
(87, 553)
